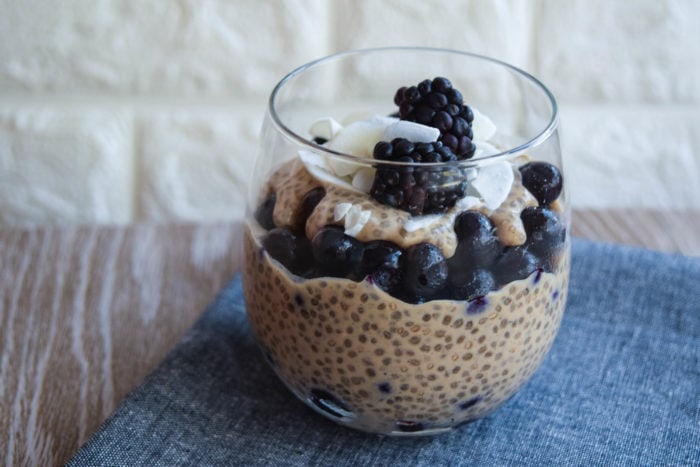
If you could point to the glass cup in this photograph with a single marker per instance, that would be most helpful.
(399, 278)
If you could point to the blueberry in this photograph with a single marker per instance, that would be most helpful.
(280, 243)
(336, 253)
(466, 284)
(329, 403)
(514, 264)
(424, 271)
(380, 253)
(545, 233)
(264, 212)
(477, 305)
(472, 224)
(312, 272)
(304, 257)
(308, 203)
(477, 245)
(408, 426)
(543, 180)
(470, 403)
(386, 278)
(542, 226)
(294, 252)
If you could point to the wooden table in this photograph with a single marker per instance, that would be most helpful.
(88, 312)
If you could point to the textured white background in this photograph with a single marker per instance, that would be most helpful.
(117, 111)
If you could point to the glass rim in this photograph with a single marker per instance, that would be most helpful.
(538, 139)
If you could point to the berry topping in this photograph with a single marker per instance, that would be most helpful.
(380, 253)
(545, 233)
(437, 104)
(337, 254)
(424, 271)
(408, 426)
(468, 283)
(381, 263)
(469, 403)
(416, 190)
(543, 180)
(477, 305)
(308, 203)
(476, 251)
(384, 387)
(478, 245)
(328, 403)
(290, 250)
(514, 264)
(264, 212)
(472, 226)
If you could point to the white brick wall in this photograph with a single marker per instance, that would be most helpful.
(117, 112)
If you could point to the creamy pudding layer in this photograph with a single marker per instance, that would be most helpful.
(376, 363)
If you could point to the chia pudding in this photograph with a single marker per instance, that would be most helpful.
(410, 291)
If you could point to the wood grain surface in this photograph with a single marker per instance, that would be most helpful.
(88, 312)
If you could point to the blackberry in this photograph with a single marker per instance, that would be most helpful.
(437, 104)
(417, 190)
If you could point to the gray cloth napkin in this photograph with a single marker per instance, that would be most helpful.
(621, 386)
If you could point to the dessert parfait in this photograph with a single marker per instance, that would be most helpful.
(407, 272)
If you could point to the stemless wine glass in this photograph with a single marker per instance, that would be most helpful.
(396, 286)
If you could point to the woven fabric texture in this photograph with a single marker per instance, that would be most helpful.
(621, 386)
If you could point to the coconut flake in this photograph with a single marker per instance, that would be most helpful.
(327, 177)
(309, 158)
(358, 139)
(363, 179)
(414, 132)
(340, 210)
(482, 126)
(355, 220)
(468, 202)
(325, 128)
(421, 222)
(318, 167)
(356, 116)
(342, 168)
(493, 183)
